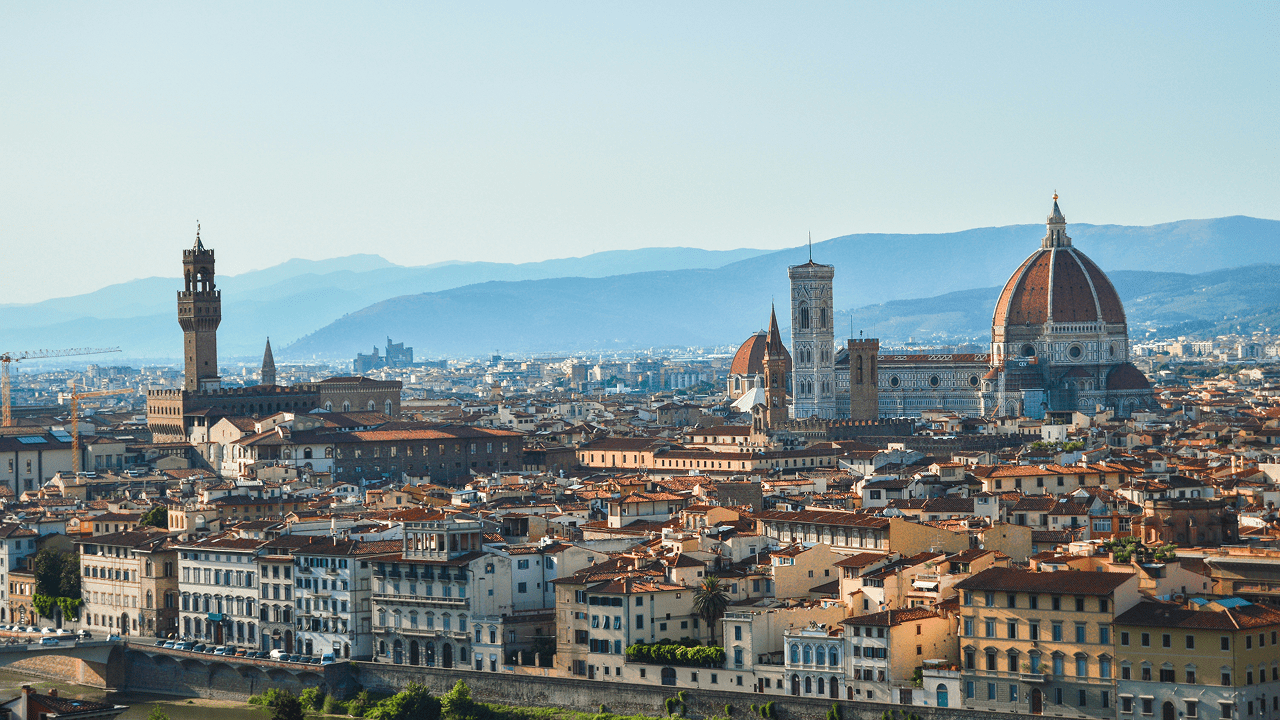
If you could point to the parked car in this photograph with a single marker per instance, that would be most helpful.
(168, 644)
(113, 638)
(160, 643)
(199, 648)
(49, 641)
(63, 632)
(241, 652)
(185, 645)
(295, 658)
(327, 658)
(210, 649)
(278, 654)
(85, 635)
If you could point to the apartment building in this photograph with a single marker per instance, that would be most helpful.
(17, 543)
(426, 593)
(111, 584)
(1200, 660)
(333, 596)
(218, 584)
(1042, 642)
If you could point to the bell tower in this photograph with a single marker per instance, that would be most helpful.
(199, 314)
(775, 376)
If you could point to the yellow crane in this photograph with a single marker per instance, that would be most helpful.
(7, 359)
(76, 397)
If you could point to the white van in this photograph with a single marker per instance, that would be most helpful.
(278, 654)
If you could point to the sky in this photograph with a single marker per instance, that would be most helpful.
(521, 131)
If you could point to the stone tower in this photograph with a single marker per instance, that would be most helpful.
(775, 376)
(864, 388)
(199, 313)
(813, 356)
(268, 366)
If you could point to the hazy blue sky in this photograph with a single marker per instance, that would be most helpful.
(522, 131)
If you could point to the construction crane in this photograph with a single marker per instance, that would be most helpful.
(76, 397)
(7, 359)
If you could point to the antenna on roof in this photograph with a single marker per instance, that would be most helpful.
(810, 246)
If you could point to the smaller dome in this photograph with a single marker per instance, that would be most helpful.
(749, 360)
(1127, 377)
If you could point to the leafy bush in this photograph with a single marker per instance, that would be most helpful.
(675, 654)
(412, 703)
(333, 707)
(312, 699)
(359, 705)
(270, 698)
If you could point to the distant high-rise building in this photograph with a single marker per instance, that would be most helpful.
(813, 382)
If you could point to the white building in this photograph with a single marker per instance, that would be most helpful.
(332, 594)
(218, 585)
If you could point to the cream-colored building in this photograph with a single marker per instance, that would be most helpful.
(111, 581)
(1042, 642)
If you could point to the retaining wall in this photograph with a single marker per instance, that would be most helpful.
(626, 698)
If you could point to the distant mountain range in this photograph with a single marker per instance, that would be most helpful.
(934, 286)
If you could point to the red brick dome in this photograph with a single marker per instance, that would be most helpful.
(1059, 284)
(749, 359)
(1127, 377)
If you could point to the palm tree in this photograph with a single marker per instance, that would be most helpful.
(709, 602)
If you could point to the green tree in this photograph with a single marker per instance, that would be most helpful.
(458, 705)
(312, 698)
(288, 707)
(158, 714)
(710, 601)
(412, 703)
(157, 516)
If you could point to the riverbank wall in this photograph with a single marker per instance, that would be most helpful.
(634, 699)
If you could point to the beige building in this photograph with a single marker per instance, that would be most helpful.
(1041, 642)
(112, 568)
(1202, 660)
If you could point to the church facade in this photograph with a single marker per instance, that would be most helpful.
(1059, 342)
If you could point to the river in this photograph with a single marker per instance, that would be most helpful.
(140, 704)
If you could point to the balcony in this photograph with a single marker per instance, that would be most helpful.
(1034, 677)
(429, 599)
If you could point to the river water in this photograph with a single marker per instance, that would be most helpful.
(140, 704)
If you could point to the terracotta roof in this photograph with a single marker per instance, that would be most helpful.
(749, 359)
(889, 618)
(1239, 616)
(1065, 582)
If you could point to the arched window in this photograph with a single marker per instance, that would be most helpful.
(388, 406)
(804, 325)
(328, 406)
(328, 452)
(371, 406)
(834, 656)
(808, 654)
(346, 407)
(859, 376)
(306, 453)
(795, 654)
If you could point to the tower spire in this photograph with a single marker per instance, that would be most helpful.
(199, 245)
(268, 366)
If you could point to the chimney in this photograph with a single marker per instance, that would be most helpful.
(53, 692)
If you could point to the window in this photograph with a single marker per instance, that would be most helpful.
(1079, 604)
(991, 599)
(1012, 600)
(1013, 693)
(1034, 601)
(991, 691)
(1226, 710)
(1166, 675)
(1124, 638)
(1166, 640)
(968, 627)
(1057, 632)
(968, 690)
(1104, 634)
(1033, 630)
(1013, 629)
(1057, 602)
(1146, 673)
(1082, 667)
(1146, 639)
(1082, 698)
(1079, 632)
(1148, 706)
(990, 628)
(1226, 642)
(1191, 642)
(1126, 704)
(1191, 676)
(1104, 667)
(1226, 678)
(1192, 708)
(1102, 604)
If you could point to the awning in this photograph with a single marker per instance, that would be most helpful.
(924, 585)
(216, 617)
